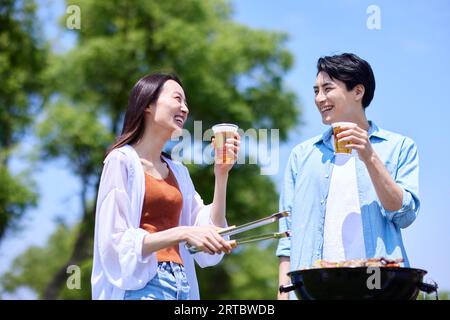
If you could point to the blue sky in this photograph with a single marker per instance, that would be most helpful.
(409, 56)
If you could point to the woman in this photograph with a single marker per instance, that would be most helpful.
(147, 207)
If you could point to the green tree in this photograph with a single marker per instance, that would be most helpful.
(22, 60)
(75, 135)
(16, 195)
(37, 265)
(230, 72)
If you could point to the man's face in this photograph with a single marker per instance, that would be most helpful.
(334, 102)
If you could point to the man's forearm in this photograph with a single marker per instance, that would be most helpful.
(389, 193)
(283, 278)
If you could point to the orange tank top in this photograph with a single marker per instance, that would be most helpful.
(163, 202)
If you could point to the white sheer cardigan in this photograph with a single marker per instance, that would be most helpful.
(118, 263)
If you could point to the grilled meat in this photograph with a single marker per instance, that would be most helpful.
(372, 262)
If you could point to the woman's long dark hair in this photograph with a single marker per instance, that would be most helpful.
(145, 92)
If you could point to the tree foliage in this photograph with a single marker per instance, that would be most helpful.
(76, 135)
(230, 73)
(15, 197)
(22, 61)
(36, 266)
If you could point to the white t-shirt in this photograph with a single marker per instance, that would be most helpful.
(343, 233)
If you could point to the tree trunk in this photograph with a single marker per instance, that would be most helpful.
(81, 251)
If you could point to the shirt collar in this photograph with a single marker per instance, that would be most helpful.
(374, 131)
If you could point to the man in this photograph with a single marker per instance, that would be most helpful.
(347, 206)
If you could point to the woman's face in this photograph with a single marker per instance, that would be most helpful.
(170, 110)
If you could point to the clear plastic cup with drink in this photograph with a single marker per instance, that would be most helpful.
(222, 132)
(340, 147)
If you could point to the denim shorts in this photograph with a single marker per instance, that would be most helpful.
(169, 283)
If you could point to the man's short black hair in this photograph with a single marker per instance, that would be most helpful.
(352, 70)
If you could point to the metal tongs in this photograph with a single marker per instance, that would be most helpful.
(248, 226)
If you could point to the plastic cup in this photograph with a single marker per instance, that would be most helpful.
(339, 147)
(222, 132)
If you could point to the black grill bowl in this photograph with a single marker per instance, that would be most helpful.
(357, 283)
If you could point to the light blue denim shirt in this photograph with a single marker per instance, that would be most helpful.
(305, 192)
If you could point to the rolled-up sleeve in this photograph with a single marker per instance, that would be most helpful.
(407, 177)
(285, 204)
